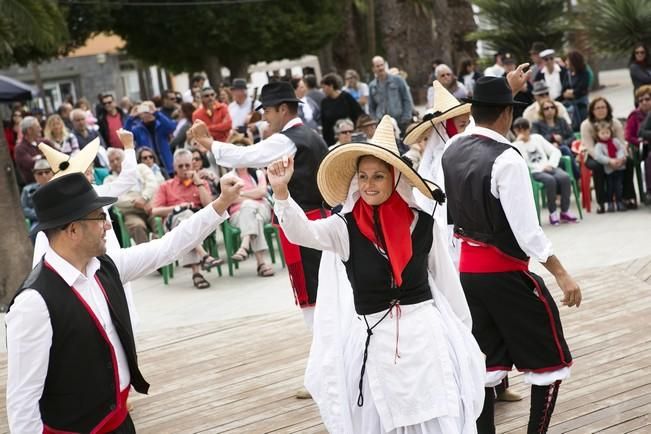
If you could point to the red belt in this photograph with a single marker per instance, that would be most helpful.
(479, 257)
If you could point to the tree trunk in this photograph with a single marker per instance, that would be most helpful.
(213, 68)
(239, 68)
(326, 59)
(442, 32)
(346, 46)
(408, 39)
(463, 17)
(15, 246)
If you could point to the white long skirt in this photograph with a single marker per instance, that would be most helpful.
(423, 384)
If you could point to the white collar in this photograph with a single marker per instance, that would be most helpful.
(491, 134)
(66, 270)
(292, 123)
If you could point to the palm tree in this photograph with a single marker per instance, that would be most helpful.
(513, 25)
(615, 26)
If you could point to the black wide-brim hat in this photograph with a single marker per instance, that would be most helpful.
(66, 199)
(275, 93)
(492, 91)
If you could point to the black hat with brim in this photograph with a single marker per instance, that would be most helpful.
(275, 93)
(66, 199)
(492, 91)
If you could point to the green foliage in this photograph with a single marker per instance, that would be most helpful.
(513, 25)
(37, 30)
(181, 38)
(614, 26)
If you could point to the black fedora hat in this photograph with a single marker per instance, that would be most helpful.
(275, 93)
(66, 199)
(492, 91)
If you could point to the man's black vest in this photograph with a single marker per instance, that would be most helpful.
(475, 212)
(82, 386)
(310, 150)
(370, 274)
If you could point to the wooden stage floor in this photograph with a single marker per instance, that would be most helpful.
(240, 376)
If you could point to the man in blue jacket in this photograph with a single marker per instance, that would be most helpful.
(153, 129)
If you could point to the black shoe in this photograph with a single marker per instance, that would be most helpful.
(600, 209)
(632, 204)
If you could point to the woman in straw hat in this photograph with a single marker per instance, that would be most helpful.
(392, 348)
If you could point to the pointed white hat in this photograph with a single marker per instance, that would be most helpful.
(63, 164)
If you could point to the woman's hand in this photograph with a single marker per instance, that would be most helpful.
(280, 173)
(126, 138)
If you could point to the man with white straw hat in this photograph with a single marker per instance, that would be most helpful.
(71, 353)
(392, 348)
(515, 319)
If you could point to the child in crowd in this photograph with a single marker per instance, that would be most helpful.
(542, 158)
(611, 153)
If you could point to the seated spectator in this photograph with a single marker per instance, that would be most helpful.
(643, 135)
(179, 139)
(249, 214)
(607, 148)
(91, 120)
(201, 165)
(42, 173)
(575, 97)
(176, 200)
(556, 77)
(152, 129)
(27, 152)
(336, 105)
(542, 158)
(365, 127)
(135, 204)
(344, 129)
(601, 110)
(147, 156)
(541, 92)
(468, 75)
(358, 89)
(169, 106)
(214, 114)
(83, 134)
(639, 65)
(57, 133)
(445, 76)
(556, 131)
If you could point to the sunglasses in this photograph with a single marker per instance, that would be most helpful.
(640, 52)
(184, 166)
(146, 157)
(445, 74)
(346, 132)
(547, 59)
(196, 158)
(107, 102)
(549, 107)
(42, 172)
(208, 95)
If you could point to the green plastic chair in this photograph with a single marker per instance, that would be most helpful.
(232, 241)
(167, 270)
(539, 197)
(124, 234)
(636, 155)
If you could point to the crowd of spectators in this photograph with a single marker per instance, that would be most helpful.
(557, 119)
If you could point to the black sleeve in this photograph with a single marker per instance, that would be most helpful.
(645, 129)
(580, 84)
(354, 108)
(639, 75)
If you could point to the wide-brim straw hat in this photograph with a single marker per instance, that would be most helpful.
(64, 164)
(446, 106)
(338, 167)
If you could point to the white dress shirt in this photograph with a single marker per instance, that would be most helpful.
(239, 112)
(29, 331)
(259, 155)
(511, 184)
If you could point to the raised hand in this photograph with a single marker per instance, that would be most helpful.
(199, 135)
(280, 173)
(518, 78)
(126, 138)
(231, 186)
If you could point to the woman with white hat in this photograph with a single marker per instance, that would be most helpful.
(398, 356)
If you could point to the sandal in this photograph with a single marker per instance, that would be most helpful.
(265, 270)
(208, 262)
(199, 281)
(240, 255)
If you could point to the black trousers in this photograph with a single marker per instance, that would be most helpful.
(127, 427)
(599, 178)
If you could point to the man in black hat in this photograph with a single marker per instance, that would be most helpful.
(71, 352)
(289, 137)
(490, 201)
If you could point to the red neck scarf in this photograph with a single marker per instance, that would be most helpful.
(612, 148)
(395, 219)
(451, 128)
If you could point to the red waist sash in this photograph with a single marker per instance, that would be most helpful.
(477, 257)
